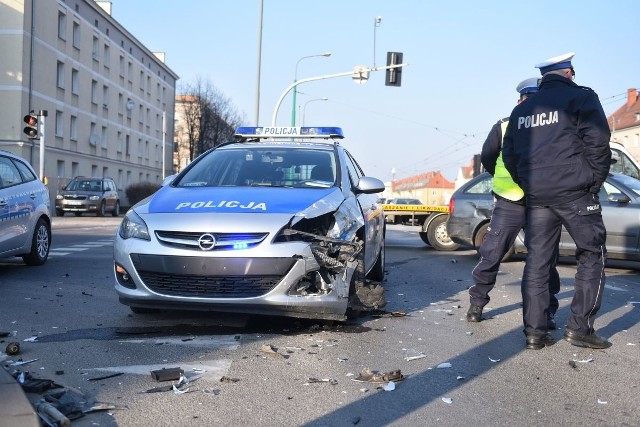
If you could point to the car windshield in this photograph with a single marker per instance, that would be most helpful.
(85, 185)
(262, 166)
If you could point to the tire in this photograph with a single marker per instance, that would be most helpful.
(437, 234)
(40, 244)
(363, 296)
(59, 212)
(377, 272)
(101, 209)
(116, 210)
(482, 234)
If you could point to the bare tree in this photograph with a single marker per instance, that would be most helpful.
(208, 117)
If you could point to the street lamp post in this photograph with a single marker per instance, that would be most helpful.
(304, 108)
(376, 24)
(295, 79)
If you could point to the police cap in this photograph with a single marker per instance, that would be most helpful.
(556, 63)
(528, 86)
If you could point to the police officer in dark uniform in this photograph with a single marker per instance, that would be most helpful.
(507, 219)
(556, 148)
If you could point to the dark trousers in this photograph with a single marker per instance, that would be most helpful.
(583, 220)
(506, 222)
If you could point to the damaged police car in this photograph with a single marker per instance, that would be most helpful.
(282, 222)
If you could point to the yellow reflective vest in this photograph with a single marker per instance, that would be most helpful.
(503, 184)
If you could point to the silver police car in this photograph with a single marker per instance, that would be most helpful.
(25, 220)
(282, 222)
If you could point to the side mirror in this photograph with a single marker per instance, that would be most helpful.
(369, 185)
(618, 198)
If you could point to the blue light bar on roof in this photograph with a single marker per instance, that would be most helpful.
(289, 132)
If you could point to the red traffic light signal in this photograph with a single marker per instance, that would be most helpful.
(31, 130)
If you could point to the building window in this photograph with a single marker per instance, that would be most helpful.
(104, 137)
(141, 114)
(60, 168)
(149, 85)
(95, 49)
(75, 81)
(120, 104)
(76, 35)
(75, 168)
(121, 66)
(106, 56)
(59, 124)
(94, 92)
(73, 128)
(119, 142)
(141, 81)
(127, 145)
(636, 140)
(93, 136)
(60, 75)
(130, 71)
(105, 96)
(62, 26)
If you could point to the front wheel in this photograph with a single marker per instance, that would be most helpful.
(377, 272)
(362, 295)
(116, 209)
(102, 209)
(39, 244)
(437, 234)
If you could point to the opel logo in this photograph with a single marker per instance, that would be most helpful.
(207, 242)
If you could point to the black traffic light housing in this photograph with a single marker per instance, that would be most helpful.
(31, 130)
(394, 75)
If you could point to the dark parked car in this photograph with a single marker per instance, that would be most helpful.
(88, 195)
(471, 207)
(25, 223)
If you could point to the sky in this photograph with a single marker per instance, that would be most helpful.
(465, 59)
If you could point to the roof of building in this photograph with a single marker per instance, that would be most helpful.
(425, 180)
(627, 116)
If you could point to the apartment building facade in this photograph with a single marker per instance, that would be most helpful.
(110, 101)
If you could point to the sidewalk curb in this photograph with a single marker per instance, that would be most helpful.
(15, 408)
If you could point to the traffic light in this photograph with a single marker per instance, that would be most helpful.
(31, 130)
(394, 75)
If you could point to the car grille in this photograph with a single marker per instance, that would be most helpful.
(216, 278)
(190, 285)
(190, 240)
(74, 197)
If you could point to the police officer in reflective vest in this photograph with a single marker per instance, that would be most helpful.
(507, 219)
(556, 148)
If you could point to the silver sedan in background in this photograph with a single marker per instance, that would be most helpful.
(471, 207)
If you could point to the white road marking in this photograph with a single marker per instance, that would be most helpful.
(72, 249)
(227, 342)
(208, 368)
(613, 288)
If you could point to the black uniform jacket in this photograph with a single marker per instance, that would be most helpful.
(556, 146)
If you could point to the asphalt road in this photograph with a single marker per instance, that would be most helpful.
(83, 333)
